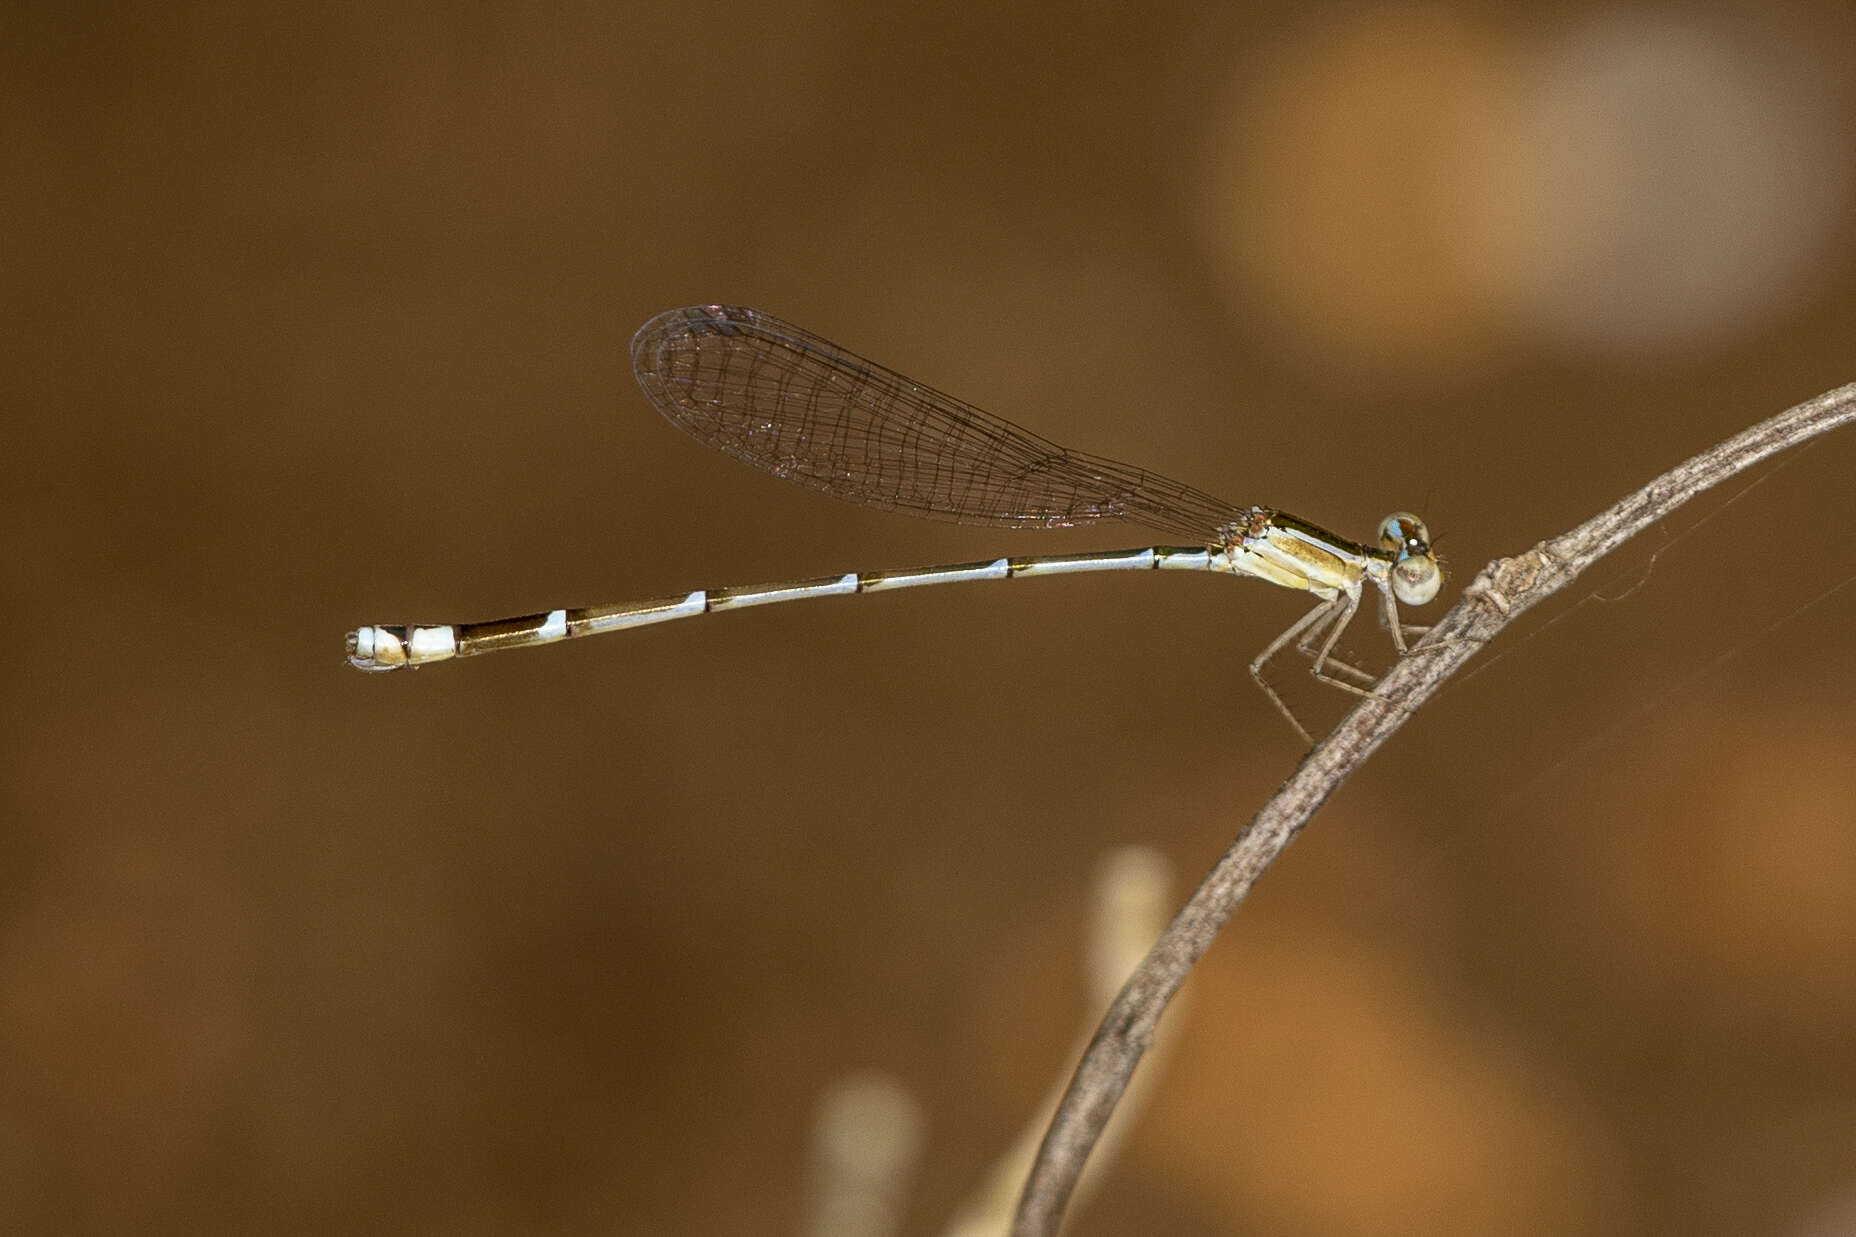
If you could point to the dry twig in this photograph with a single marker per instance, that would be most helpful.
(1505, 588)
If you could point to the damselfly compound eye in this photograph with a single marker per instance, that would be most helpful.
(1404, 533)
(1415, 580)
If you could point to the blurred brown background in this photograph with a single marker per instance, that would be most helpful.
(319, 318)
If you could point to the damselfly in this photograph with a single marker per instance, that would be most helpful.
(799, 407)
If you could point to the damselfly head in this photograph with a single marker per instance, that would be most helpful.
(1416, 577)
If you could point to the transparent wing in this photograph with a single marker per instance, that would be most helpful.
(800, 407)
